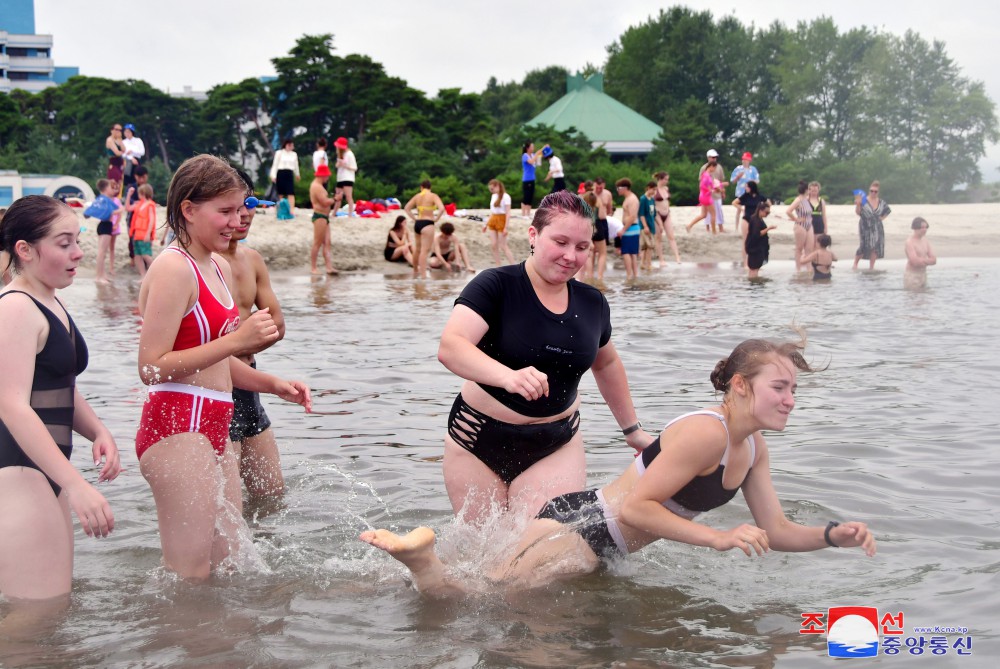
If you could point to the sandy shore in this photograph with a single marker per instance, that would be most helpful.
(964, 230)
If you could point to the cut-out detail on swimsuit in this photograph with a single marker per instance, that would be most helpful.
(466, 426)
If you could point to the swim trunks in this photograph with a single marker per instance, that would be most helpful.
(320, 217)
(175, 408)
(142, 248)
(507, 449)
(249, 417)
(104, 228)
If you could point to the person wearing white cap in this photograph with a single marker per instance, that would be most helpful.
(718, 174)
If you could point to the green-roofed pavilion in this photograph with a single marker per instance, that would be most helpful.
(605, 121)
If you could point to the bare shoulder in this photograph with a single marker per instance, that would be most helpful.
(256, 261)
(18, 310)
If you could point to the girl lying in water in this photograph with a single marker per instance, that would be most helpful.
(697, 463)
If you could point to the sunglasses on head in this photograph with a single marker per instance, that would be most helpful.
(252, 203)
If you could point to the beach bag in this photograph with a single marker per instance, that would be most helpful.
(284, 210)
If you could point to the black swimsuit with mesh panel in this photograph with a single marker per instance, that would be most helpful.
(53, 387)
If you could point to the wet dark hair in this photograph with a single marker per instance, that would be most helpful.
(198, 180)
(447, 229)
(803, 187)
(426, 183)
(753, 188)
(246, 179)
(918, 223)
(750, 356)
(824, 240)
(399, 223)
(560, 202)
(29, 219)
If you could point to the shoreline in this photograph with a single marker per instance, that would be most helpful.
(962, 230)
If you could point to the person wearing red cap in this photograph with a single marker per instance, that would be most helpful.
(741, 175)
(347, 168)
(321, 203)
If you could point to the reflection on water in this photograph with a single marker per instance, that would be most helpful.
(900, 431)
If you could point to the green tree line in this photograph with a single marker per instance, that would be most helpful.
(810, 101)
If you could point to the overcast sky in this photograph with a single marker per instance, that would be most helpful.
(435, 44)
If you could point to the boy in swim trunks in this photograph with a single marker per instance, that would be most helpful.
(321, 203)
(449, 249)
(919, 255)
(250, 430)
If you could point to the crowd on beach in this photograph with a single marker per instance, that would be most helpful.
(512, 439)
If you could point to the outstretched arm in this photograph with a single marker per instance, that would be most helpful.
(783, 534)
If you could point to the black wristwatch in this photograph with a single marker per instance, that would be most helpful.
(826, 533)
(632, 428)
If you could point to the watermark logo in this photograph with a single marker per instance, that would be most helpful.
(853, 631)
(860, 631)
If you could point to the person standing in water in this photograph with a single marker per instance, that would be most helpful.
(250, 430)
(698, 462)
(522, 336)
(188, 346)
(919, 255)
(872, 211)
(40, 408)
(321, 203)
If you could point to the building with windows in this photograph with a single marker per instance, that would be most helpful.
(26, 58)
(14, 186)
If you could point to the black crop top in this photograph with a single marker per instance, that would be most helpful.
(53, 387)
(523, 333)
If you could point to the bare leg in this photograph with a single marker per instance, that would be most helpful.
(320, 228)
(260, 465)
(744, 231)
(872, 259)
(111, 255)
(291, 204)
(699, 217)
(36, 554)
(506, 249)
(424, 243)
(103, 242)
(739, 216)
(416, 551)
(800, 245)
(668, 226)
(630, 266)
(186, 478)
(349, 194)
(658, 243)
(495, 246)
(600, 259)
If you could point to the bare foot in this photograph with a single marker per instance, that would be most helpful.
(414, 549)
(470, 269)
(332, 272)
(315, 272)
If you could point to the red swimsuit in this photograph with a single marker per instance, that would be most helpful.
(173, 408)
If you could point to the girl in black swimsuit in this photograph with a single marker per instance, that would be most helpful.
(708, 456)
(40, 407)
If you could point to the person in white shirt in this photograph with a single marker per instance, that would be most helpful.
(285, 171)
(134, 151)
(347, 168)
(499, 220)
(319, 155)
(555, 169)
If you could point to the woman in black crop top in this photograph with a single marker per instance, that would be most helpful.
(523, 335)
(40, 407)
(697, 463)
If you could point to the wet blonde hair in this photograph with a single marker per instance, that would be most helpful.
(198, 180)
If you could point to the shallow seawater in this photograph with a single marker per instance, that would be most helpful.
(900, 431)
